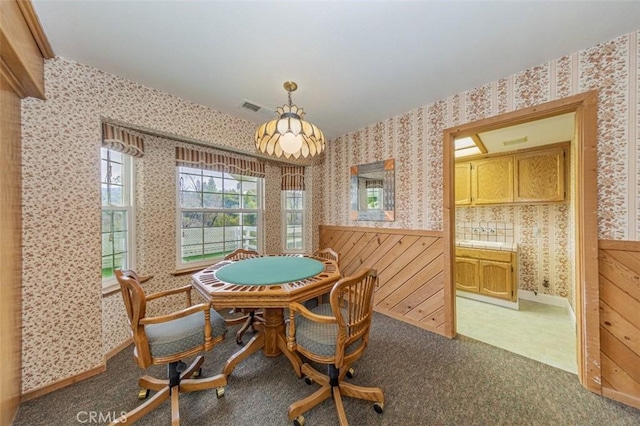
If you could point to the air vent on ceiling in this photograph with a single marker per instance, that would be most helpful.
(254, 107)
(515, 141)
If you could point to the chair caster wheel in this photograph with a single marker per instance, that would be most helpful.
(350, 373)
(143, 394)
(219, 392)
(308, 380)
(197, 373)
(379, 407)
(239, 341)
(299, 421)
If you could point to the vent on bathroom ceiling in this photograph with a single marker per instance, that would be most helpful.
(515, 141)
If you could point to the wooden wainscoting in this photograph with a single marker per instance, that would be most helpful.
(410, 265)
(619, 279)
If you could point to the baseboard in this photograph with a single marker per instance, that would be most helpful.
(621, 397)
(35, 393)
(115, 351)
(404, 319)
(487, 299)
(548, 299)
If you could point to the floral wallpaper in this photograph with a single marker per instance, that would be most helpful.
(63, 309)
(414, 139)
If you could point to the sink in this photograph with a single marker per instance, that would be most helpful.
(492, 245)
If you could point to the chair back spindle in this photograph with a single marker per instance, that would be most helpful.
(352, 304)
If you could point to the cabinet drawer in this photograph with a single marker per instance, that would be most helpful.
(495, 255)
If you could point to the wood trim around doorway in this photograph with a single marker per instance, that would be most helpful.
(586, 208)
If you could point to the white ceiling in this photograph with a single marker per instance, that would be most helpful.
(560, 128)
(355, 62)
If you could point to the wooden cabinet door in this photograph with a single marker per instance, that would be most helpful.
(492, 181)
(540, 176)
(463, 184)
(496, 279)
(467, 278)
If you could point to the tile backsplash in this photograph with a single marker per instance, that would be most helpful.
(485, 231)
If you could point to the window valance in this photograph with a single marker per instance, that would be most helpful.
(187, 157)
(292, 178)
(122, 140)
(374, 184)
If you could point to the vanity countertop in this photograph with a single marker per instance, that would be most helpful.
(488, 245)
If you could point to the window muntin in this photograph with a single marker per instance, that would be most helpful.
(293, 221)
(218, 213)
(117, 213)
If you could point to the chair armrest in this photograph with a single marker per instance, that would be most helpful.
(302, 310)
(186, 288)
(175, 315)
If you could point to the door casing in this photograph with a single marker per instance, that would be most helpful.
(585, 215)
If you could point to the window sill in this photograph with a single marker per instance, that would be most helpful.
(111, 288)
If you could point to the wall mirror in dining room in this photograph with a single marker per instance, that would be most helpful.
(373, 191)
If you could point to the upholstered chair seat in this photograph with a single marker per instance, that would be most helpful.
(183, 333)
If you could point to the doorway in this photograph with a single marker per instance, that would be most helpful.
(584, 237)
(527, 309)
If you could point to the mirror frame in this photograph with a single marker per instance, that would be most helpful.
(387, 213)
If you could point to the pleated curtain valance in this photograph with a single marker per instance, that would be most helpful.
(187, 157)
(292, 178)
(374, 184)
(122, 140)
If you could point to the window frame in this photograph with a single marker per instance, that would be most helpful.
(180, 265)
(110, 284)
(284, 227)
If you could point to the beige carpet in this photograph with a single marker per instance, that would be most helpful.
(427, 380)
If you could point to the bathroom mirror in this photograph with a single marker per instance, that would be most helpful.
(373, 191)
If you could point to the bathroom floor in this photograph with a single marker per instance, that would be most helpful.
(538, 331)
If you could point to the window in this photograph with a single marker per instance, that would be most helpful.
(218, 212)
(293, 220)
(117, 213)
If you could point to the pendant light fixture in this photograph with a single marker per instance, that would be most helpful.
(289, 135)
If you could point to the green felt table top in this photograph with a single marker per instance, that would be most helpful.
(269, 270)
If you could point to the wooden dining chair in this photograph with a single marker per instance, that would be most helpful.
(167, 339)
(253, 317)
(335, 334)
